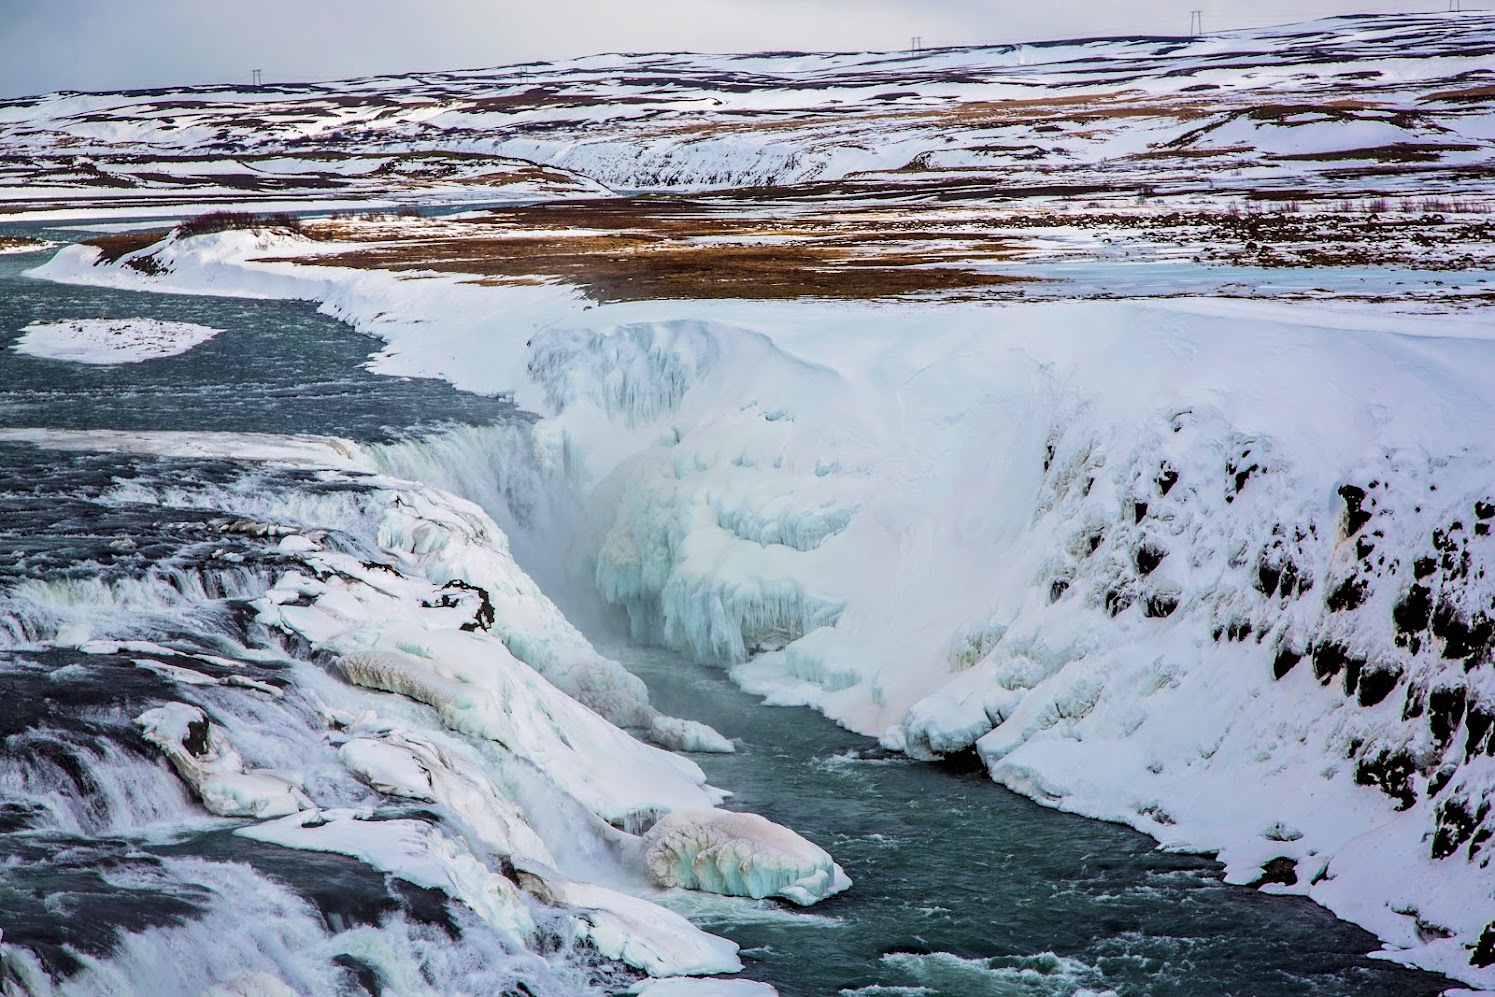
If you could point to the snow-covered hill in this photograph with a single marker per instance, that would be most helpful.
(1390, 103)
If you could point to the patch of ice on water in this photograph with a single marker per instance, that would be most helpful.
(111, 341)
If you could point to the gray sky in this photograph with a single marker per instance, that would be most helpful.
(116, 44)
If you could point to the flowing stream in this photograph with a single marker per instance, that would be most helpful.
(111, 875)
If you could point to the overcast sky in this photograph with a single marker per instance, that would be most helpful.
(50, 45)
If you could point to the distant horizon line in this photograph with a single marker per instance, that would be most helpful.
(248, 80)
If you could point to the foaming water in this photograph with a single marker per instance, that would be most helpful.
(134, 584)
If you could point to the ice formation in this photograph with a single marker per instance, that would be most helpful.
(443, 760)
(738, 854)
(209, 764)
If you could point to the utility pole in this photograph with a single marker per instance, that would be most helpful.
(916, 43)
(256, 74)
(1196, 22)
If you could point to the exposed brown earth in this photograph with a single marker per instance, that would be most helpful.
(656, 248)
(113, 247)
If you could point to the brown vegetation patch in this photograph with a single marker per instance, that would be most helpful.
(640, 249)
(1397, 152)
(113, 247)
(1466, 95)
(8, 243)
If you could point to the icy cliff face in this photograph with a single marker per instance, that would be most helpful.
(1189, 567)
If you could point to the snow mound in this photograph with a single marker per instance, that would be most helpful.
(105, 342)
(688, 735)
(738, 854)
(209, 764)
(644, 935)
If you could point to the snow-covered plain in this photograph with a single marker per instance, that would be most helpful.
(1392, 101)
(1214, 568)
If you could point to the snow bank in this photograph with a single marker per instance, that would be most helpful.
(111, 341)
(740, 855)
(642, 934)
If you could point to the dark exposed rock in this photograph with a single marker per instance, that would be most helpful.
(1484, 949)
(1278, 870)
(1376, 685)
(1167, 478)
(1347, 595)
(1284, 662)
(1424, 566)
(1414, 611)
(196, 741)
(1160, 606)
(1148, 558)
(1470, 639)
(1477, 727)
(1352, 670)
(1390, 772)
(1456, 824)
(1484, 510)
(1116, 601)
(1355, 514)
(1139, 511)
(1267, 577)
(1057, 588)
(1445, 713)
(484, 617)
(1478, 841)
(1329, 659)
